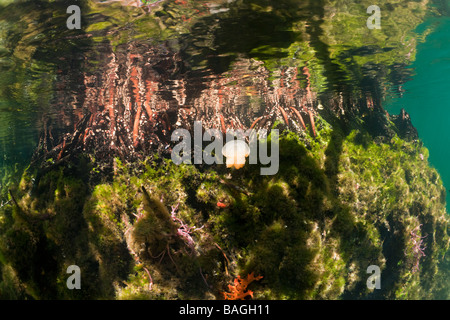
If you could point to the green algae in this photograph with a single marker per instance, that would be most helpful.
(339, 203)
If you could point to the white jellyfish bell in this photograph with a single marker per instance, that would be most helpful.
(235, 151)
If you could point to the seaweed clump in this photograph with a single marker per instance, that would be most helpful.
(341, 201)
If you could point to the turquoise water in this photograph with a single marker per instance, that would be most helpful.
(426, 97)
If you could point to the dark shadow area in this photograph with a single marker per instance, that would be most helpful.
(240, 31)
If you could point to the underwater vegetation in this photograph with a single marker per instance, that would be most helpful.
(341, 201)
(354, 187)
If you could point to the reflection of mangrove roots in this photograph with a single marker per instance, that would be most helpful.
(285, 117)
(137, 95)
(113, 122)
(299, 117)
(313, 126)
